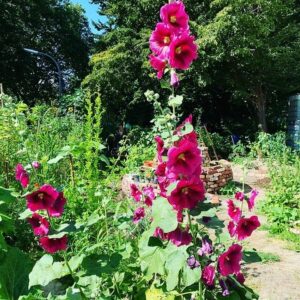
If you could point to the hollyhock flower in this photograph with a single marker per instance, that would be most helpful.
(192, 262)
(208, 276)
(159, 147)
(149, 195)
(159, 233)
(184, 159)
(174, 78)
(234, 212)
(39, 224)
(135, 193)
(174, 15)
(229, 261)
(43, 198)
(187, 194)
(240, 278)
(57, 209)
(225, 291)
(52, 245)
(246, 226)
(206, 247)
(179, 237)
(183, 51)
(231, 228)
(239, 196)
(160, 39)
(35, 164)
(159, 64)
(179, 216)
(251, 201)
(22, 176)
(139, 214)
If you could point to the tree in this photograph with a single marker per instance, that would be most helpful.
(55, 27)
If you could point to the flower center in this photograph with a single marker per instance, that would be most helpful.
(185, 190)
(41, 196)
(178, 50)
(181, 156)
(173, 19)
(167, 40)
(227, 258)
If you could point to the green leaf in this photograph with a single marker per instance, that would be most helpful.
(14, 271)
(25, 214)
(190, 276)
(6, 195)
(251, 257)
(175, 101)
(164, 216)
(45, 271)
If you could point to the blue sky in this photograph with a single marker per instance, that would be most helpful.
(90, 10)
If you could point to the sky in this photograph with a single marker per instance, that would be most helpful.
(90, 11)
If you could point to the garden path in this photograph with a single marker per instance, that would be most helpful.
(276, 280)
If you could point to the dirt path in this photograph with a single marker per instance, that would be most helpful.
(274, 280)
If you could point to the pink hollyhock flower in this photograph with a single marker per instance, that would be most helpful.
(240, 278)
(159, 64)
(229, 261)
(159, 233)
(231, 228)
(160, 39)
(206, 247)
(246, 226)
(174, 15)
(251, 201)
(174, 79)
(57, 209)
(159, 148)
(54, 245)
(184, 159)
(149, 195)
(208, 276)
(43, 198)
(179, 237)
(39, 224)
(183, 51)
(179, 216)
(35, 164)
(187, 194)
(135, 193)
(239, 196)
(193, 263)
(22, 176)
(139, 214)
(234, 212)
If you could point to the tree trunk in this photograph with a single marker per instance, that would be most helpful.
(260, 103)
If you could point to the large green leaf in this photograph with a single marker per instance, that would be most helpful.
(6, 195)
(14, 270)
(164, 216)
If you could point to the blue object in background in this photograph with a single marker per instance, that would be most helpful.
(293, 134)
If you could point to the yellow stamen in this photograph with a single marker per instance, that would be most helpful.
(167, 40)
(41, 196)
(178, 50)
(181, 156)
(185, 190)
(173, 19)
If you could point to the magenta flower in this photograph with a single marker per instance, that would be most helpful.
(135, 193)
(174, 15)
(54, 245)
(234, 212)
(206, 247)
(239, 196)
(231, 228)
(159, 148)
(160, 40)
(57, 209)
(44, 198)
(35, 164)
(139, 214)
(246, 226)
(174, 78)
(187, 194)
(39, 224)
(229, 261)
(251, 201)
(159, 233)
(240, 278)
(149, 195)
(179, 237)
(183, 51)
(159, 64)
(184, 159)
(22, 176)
(208, 276)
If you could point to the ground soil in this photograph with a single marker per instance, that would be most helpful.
(273, 280)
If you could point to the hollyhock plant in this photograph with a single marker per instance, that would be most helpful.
(240, 278)
(159, 147)
(42, 199)
(159, 64)
(229, 261)
(53, 245)
(135, 193)
(174, 79)
(179, 237)
(206, 247)
(231, 228)
(22, 175)
(251, 201)
(161, 39)
(192, 262)
(246, 226)
(183, 51)
(56, 210)
(174, 15)
(187, 194)
(149, 195)
(208, 276)
(39, 224)
(234, 212)
(139, 214)
(239, 196)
